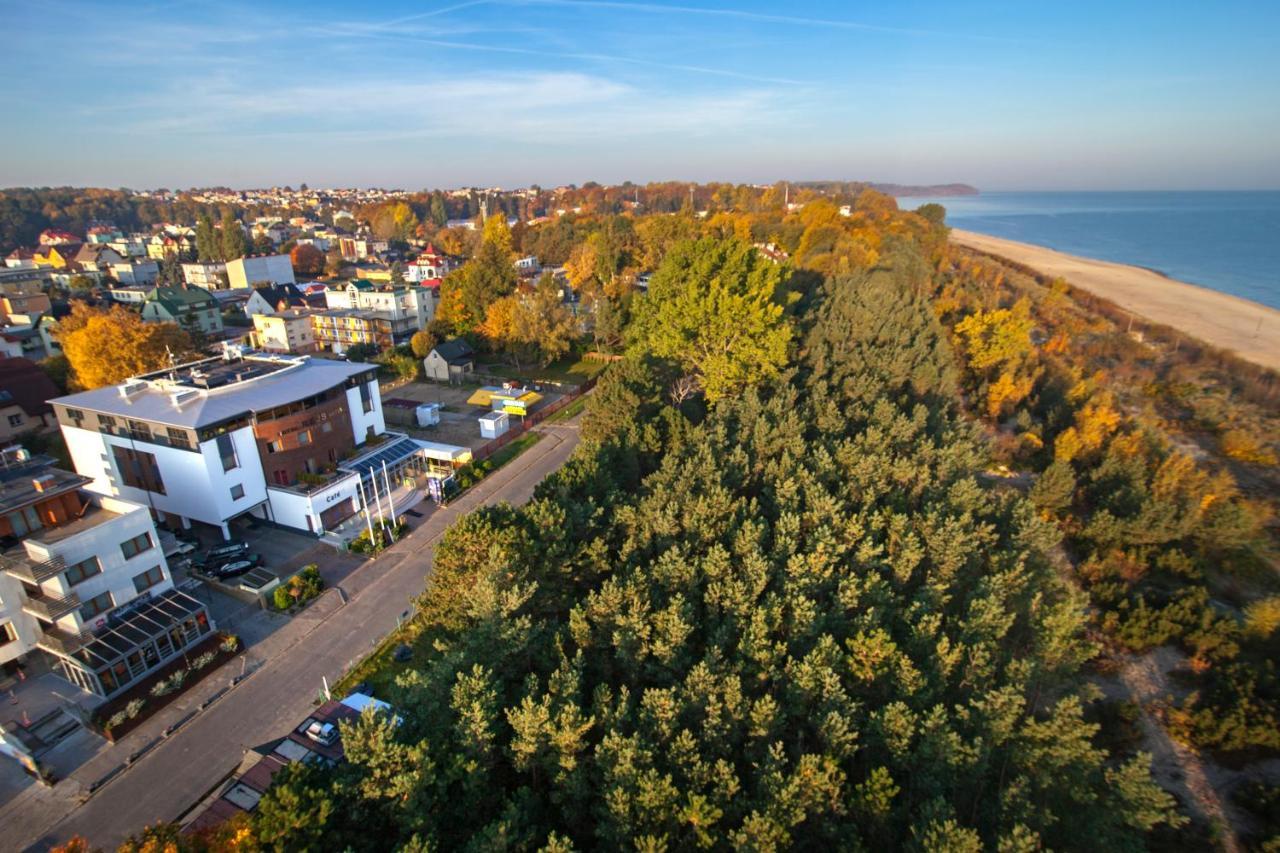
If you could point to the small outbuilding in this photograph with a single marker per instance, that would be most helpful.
(494, 424)
(450, 361)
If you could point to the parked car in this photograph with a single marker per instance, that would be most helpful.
(322, 733)
(224, 553)
(236, 567)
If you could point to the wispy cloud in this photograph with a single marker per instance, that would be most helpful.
(742, 15)
(562, 56)
(531, 108)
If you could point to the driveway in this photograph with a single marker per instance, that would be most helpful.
(170, 779)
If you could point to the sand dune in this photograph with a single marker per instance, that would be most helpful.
(1250, 330)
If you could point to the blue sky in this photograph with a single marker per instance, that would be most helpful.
(1004, 95)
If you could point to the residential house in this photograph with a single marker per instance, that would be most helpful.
(211, 275)
(256, 269)
(96, 258)
(103, 233)
(24, 390)
(59, 256)
(451, 361)
(376, 273)
(167, 245)
(135, 294)
(289, 331)
(21, 258)
(431, 265)
(23, 301)
(359, 248)
(86, 581)
(135, 271)
(57, 237)
(20, 337)
(189, 307)
(272, 298)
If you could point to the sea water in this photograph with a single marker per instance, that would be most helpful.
(1227, 241)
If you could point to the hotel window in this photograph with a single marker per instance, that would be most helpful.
(138, 469)
(136, 545)
(304, 437)
(237, 492)
(24, 521)
(75, 415)
(7, 634)
(15, 420)
(275, 446)
(95, 606)
(178, 438)
(83, 570)
(366, 396)
(139, 430)
(227, 451)
(148, 579)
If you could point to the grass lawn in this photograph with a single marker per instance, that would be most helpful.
(571, 370)
(572, 410)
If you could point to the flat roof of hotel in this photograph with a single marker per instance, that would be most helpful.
(213, 391)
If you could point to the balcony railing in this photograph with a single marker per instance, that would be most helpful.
(32, 571)
(62, 642)
(51, 607)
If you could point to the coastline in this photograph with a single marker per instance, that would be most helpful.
(1248, 329)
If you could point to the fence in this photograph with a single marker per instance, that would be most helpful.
(530, 421)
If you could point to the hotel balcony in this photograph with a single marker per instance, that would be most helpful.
(62, 642)
(22, 567)
(50, 608)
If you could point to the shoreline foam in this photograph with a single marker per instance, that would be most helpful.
(1248, 329)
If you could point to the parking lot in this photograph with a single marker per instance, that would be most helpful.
(282, 553)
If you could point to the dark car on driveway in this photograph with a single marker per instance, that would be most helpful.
(223, 553)
(236, 566)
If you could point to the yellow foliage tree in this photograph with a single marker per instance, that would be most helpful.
(1067, 445)
(580, 268)
(1096, 421)
(497, 232)
(453, 308)
(1007, 391)
(992, 339)
(1243, 446)
(499, 326)
(105, 347)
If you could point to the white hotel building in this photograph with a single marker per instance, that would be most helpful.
(288, 439)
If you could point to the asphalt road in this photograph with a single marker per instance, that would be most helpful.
(166, 782)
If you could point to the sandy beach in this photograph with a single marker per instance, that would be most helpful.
(1250, 330)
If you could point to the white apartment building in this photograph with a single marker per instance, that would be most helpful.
(249, 433)
(135, 271)
(246, 272)
(211, 275)
(87, 582)
(408, 307)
